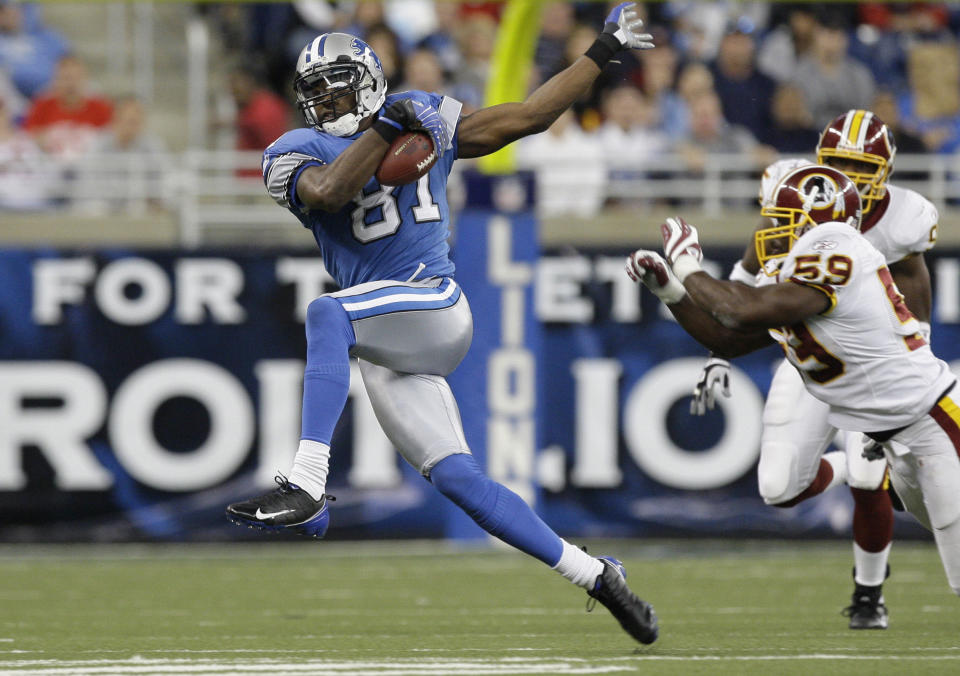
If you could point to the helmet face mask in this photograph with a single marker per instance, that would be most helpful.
(339, 83)
(325, 94)
(804, 199)
(861, 146)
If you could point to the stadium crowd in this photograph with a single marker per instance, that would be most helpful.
(748, 78)
(756, 79)
(53, 119)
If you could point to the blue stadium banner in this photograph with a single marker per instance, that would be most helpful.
(142, 391)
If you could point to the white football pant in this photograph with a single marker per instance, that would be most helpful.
(925, 470)
(795, 436)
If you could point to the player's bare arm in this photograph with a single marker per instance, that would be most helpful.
(489, 129)
(707, 330)
(650, 269)
(736, 306)
(744, 308)
(913, 279)
(329, 187)
(749, 259)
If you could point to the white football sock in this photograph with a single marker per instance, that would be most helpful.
(310, 467)
(578, 566)
(838, 461)
(871, 567)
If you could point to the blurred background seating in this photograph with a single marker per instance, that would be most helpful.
(156, 111)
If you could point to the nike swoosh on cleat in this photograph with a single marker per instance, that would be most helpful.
(270, 515)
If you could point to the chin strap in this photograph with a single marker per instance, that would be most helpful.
(345, 125)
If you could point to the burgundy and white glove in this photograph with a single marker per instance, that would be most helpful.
(681, 247)
(715, 376)
(649, 268)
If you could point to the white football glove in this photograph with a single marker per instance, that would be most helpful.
(925, 331)
(681, 247)
(716, 373)
(624, 23)
(649, 268)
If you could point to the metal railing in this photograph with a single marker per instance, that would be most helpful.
(218, 196)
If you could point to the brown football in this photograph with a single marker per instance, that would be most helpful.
(409, 157)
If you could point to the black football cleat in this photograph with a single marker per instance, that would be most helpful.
(867, 609)
(287, 507)
(634, 615)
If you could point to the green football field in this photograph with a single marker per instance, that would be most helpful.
(725, 607)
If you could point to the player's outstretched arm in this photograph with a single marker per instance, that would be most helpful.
(736, 306)
(651, 270)
(745, 308)
(489, 129)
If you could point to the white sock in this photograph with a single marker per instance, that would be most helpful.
(310, 467)
(871, 567)
(578, 566)
(838, 461)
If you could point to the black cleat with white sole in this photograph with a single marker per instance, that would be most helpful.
(287, 507)
(867, 609)
(635, 615)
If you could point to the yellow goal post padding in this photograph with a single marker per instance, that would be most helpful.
(510, 70)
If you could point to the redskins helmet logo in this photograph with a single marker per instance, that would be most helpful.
(819, 192)
(805, 198)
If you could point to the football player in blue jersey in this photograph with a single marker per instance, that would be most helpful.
(400, 311)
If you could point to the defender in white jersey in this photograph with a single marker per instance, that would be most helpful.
(842, 322)
(793, 466)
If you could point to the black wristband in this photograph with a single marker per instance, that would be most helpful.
(386, 130)
(603, 49)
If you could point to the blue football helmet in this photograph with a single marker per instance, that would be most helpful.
(339, 83)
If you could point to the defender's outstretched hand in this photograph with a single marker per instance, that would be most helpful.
(681, 247)
(716, 373)
(680, 239)
(415, 115)
(624, 23)
(649, 268)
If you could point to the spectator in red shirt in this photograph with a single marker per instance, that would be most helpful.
(262, 116)
(66, 118)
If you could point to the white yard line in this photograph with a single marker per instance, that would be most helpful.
(412, 667)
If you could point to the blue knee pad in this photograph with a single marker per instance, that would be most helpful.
(495, 508)
(326, 379)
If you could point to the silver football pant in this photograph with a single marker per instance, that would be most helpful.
(409, 336)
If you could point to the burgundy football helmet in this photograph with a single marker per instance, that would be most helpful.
(805, 198)
(862, 137)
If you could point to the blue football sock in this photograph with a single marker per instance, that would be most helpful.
(326, 379)
(495, 508)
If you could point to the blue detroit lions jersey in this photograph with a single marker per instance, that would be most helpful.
(384, 232)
